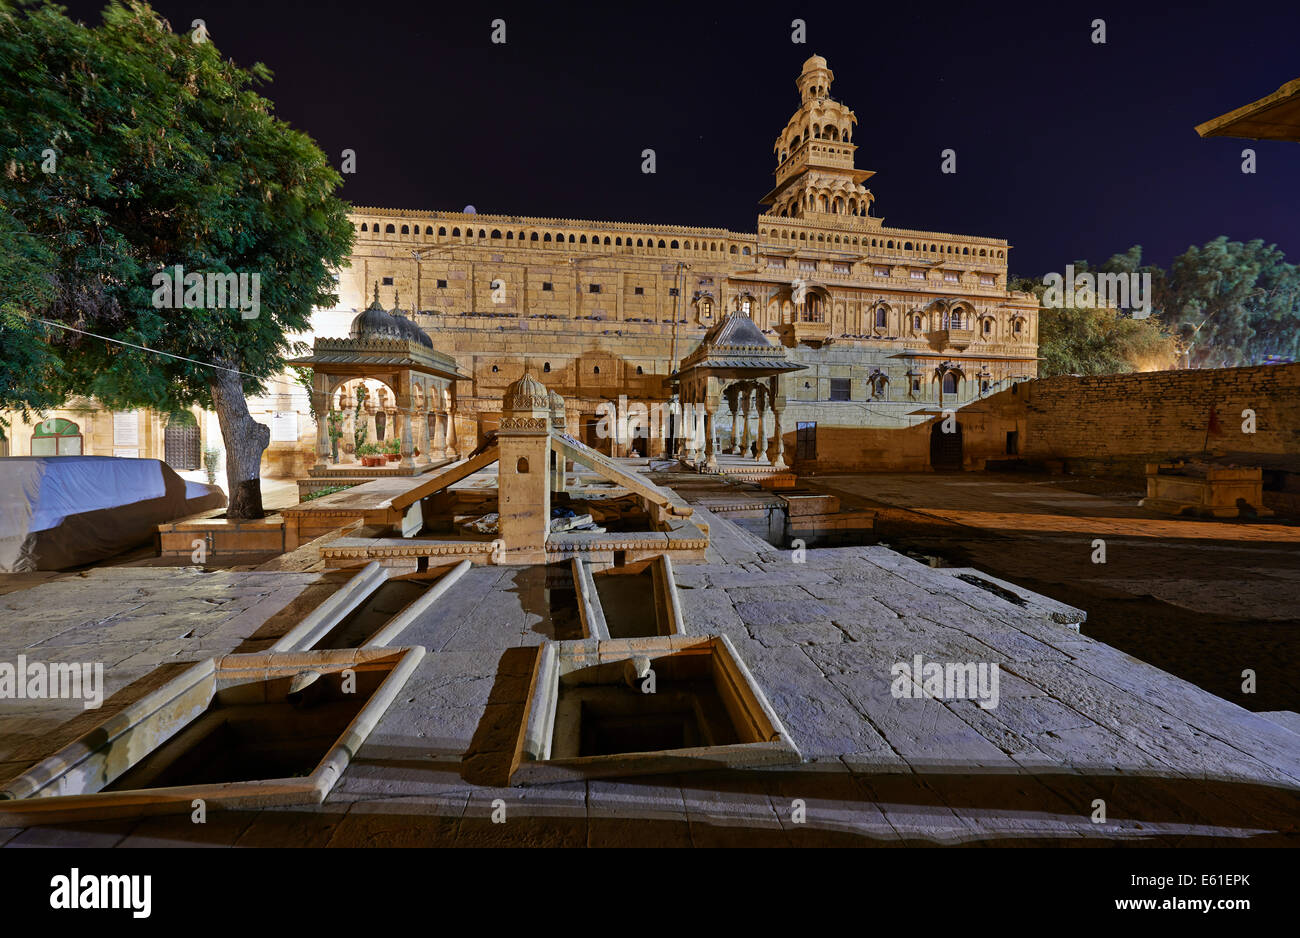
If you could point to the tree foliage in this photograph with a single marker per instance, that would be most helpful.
(1233, 303)
(127, 150)
(1226, 303)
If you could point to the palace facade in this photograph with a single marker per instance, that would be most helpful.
(892, 325)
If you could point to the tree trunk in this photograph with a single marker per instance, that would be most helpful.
(245, 440)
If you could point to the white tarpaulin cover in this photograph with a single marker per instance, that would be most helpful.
(63, 511)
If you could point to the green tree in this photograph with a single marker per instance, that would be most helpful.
(1233, 303)
(127, 150)
(1105, 340)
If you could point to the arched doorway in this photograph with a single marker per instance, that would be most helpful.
(945, 448)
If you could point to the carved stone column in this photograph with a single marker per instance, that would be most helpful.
(778, 405)
(710, 432)
(408, 441)
(760, 451)
(733, 401)
(320, 407)
(439, 434)
(426, 448)
(747, 407)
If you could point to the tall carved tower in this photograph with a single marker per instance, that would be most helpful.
(815, 173)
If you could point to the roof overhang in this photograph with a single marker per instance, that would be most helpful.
(1273, 117)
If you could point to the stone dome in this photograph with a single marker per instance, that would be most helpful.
(375, 322)
(814, 62)
(408, 327)
(526, 397)
(557, 411)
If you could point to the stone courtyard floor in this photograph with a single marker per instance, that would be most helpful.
(1078, 721)
(1201, 599)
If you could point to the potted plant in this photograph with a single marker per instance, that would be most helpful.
(393, 450)
(369, 454)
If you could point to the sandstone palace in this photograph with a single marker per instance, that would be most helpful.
(891, 325)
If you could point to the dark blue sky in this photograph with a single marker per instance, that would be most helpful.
(1067, 149)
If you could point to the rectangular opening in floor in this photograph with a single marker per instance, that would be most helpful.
(644, 706)
(380, 607)
(242, 731)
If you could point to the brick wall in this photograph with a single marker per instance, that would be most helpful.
(1132, 419)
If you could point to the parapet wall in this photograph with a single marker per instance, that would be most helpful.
(1135, 418)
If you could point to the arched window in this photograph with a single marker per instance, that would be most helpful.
(618, 242)
(661, 242)
(56, 437)
(733, 249)
(596, 370)
(389, 229)
(406, 230)
(607, 239)
(949, 382)
(510, 236)
(988, 327)
(546, 368)
(674, 246)
(521, 467)
(916, 323)
(546, 237)
(455, 232)
(744, 251)
(639, 244)
(533, 237)
(442, 232)
(363, 227)
(570, 239)
(639, 370)
(428, 229)
(882, 317)
(582, 240)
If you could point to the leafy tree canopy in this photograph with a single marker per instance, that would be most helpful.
(1226, 303)
(125, 151)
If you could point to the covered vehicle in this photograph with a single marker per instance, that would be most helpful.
(64, 511)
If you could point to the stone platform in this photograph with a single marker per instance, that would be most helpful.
(1077, 721)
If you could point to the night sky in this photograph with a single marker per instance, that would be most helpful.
(1066, 148)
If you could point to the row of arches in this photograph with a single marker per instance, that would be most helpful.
(888, 244)
(855, 201)
(830, 122)
(559, 237)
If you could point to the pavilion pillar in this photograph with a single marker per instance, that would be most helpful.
(747, 405)
(320, 406)
(408, 441)
(426, 450)
(710, 435)
(777, 406)
(734, 401)
(439, 435)
(760, 451)
(691, 437)
(453, 443)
